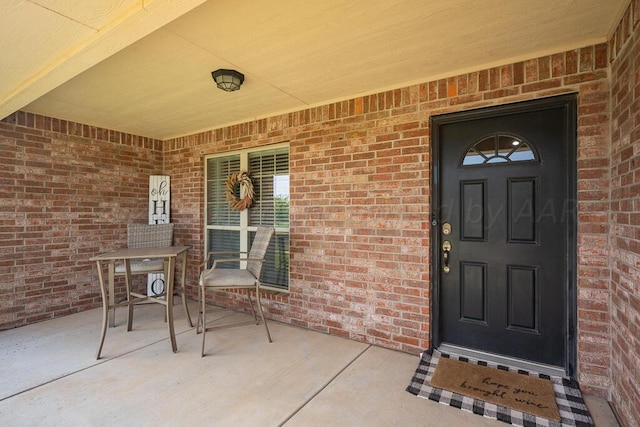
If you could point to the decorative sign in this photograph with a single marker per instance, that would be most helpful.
(159, 209)
(159, 199)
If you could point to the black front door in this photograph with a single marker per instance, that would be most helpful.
(504, 230)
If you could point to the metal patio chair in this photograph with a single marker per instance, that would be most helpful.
(150, 236)
(246, 277)
(147, 236)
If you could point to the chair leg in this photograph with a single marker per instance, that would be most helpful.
(202, 320)
(253, 310)
(262, 313)
(199, 320)
(203, 336)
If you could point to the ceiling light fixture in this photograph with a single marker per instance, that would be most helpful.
(228, 80)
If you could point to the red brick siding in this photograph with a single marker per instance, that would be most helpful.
(625, 217)
(360, 190)
(66, 191)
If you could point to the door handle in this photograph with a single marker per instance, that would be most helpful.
(446, 249)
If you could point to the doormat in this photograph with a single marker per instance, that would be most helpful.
(521, 392)
(572, 409)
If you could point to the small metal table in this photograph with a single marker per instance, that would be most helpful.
(107, 287)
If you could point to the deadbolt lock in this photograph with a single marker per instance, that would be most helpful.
(446, 228)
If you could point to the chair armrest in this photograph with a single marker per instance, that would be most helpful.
(212, 253)
(208, 271)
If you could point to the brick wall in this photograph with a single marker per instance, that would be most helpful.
(625, 216)
(66, 191)
(360, 190)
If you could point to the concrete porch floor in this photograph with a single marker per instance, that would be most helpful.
(49, 376)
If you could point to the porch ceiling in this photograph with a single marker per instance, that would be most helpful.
(144, 66)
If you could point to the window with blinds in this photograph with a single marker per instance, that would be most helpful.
(218, 211)
(229, 230)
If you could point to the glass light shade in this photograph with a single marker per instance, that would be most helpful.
(228, 80)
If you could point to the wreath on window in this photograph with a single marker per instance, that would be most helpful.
(239, 184)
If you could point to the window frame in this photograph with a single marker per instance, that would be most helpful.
(507, 160)
(243, 227)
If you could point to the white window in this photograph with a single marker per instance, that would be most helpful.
(230, 230)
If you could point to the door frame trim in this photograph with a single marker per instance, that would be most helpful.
(569, 103)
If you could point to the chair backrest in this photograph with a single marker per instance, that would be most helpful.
(259, 249)
(149, 235)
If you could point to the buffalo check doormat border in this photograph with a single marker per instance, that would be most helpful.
(573, 410)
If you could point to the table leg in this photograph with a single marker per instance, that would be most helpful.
(183, 283)
(105, 308)
(128, 281)
(112, 291)
(171, 267)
